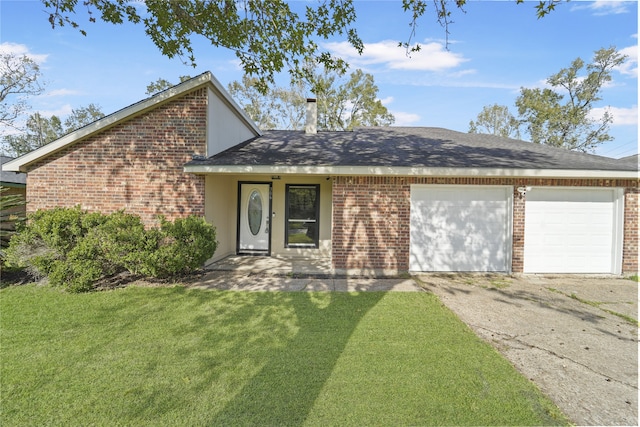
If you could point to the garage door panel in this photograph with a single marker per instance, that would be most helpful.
(459, 229)
(570, 231)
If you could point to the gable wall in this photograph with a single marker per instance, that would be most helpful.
(135, 165)
(226, 129)
(371, 218)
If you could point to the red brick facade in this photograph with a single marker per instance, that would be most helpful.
(630, 245)
(135, 165)
(371, 218)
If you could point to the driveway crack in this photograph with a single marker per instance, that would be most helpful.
(515, 338)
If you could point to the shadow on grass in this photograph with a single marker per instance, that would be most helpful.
(292, 375)
(250, 358)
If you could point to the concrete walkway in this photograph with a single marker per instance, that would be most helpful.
(238, 281)
(255, 273)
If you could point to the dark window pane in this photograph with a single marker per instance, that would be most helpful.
(301, 233)
(302, 212)
(302, 203)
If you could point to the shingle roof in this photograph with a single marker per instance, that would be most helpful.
(15, 178)
(405, 147)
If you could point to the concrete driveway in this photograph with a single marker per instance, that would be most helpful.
(575, 337)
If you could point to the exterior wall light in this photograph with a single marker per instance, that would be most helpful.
(523, 191)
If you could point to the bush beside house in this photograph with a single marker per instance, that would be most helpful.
(73, 248)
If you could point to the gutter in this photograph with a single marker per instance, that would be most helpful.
(411, 171)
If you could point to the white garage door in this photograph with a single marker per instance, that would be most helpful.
(573, 230)
(460, 228)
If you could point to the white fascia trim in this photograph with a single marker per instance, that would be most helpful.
(20, 164)
(408, 171)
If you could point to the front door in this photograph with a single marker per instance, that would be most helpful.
(254, 218)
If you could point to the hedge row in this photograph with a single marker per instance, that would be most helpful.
(74, 248)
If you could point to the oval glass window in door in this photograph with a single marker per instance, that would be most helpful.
(254, 213)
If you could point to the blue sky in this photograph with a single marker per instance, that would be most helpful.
(495, 48)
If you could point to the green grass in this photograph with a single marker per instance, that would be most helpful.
(173, 356)
(598, 304)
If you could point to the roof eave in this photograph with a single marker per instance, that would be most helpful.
(410, 171)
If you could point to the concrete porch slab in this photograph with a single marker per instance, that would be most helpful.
(274, 265)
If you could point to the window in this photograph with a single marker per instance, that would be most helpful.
(302, 216)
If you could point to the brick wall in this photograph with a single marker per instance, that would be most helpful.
(371, 223)
(630, 243)
(371, 218)
(135, 165)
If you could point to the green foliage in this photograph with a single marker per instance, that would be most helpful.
(341, 105)
(560, 116)
(162, 84)
(349, 105)
(496, 120)
(267, 36)
(41, 130)
(180, 246)
(73, 248)
(19, 79)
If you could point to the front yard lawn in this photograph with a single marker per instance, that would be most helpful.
(177, 356)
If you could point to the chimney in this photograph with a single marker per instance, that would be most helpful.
(312, 116)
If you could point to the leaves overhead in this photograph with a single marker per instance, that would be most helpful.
(267, 36)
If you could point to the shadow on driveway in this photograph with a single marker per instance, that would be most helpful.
(575, 337)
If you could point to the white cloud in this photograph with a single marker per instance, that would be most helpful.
(386, 101)
(21, 49)
(60, 92)
(431, 57)
(630, 66)
(405, 119)
(623, 116)
(603, 7)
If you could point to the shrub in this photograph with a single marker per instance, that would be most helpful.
(181, 246)
(73, 248)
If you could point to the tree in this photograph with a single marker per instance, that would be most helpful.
(277, 108)
(41, 130)
(266, 35)
(340, 106)
(19, 78)
(496, 120)
(560, 116)
(354, 104)
(162, 84)
(82, 116)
